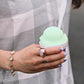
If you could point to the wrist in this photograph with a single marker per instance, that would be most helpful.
(16, 61)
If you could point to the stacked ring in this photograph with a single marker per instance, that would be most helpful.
(43, 54)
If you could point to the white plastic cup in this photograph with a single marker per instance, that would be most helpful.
(62, 45)
(63, 70)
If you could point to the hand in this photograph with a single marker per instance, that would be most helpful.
(28, 59)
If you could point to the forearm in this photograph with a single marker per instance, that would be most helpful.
(4, 59)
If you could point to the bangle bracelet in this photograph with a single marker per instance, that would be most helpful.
(11, 62)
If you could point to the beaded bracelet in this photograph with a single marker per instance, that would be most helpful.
(11, 62)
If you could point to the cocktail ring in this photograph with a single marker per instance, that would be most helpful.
(42, 52)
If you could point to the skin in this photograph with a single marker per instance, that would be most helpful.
(28, 59)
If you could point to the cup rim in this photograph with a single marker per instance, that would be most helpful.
(62, 45)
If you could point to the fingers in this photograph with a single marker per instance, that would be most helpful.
(46, 66)
(49, 51)
(54, 57)
(38, 60)
(52, 50)
(43, 69)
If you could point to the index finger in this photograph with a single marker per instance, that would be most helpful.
(52, 50)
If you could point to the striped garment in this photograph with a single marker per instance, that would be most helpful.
(21, 24)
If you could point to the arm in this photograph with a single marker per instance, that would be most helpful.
(4, 59)
(28, 60)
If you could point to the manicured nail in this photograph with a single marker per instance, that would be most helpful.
(63, 49)
(60, 65)
(57, 67)
(65, 60)
(65, 53)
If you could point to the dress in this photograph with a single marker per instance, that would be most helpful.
(21, 24)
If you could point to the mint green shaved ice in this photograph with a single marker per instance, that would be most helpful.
(53, 36)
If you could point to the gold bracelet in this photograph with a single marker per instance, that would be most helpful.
(11, 62)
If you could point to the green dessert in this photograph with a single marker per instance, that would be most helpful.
(53, 36)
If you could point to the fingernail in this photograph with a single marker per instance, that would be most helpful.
(57, 67)
(65, 53)
(65, 60)
(60, 65)
(63, 49)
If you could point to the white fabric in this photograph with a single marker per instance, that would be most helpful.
(61, 12)
(61, 4)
